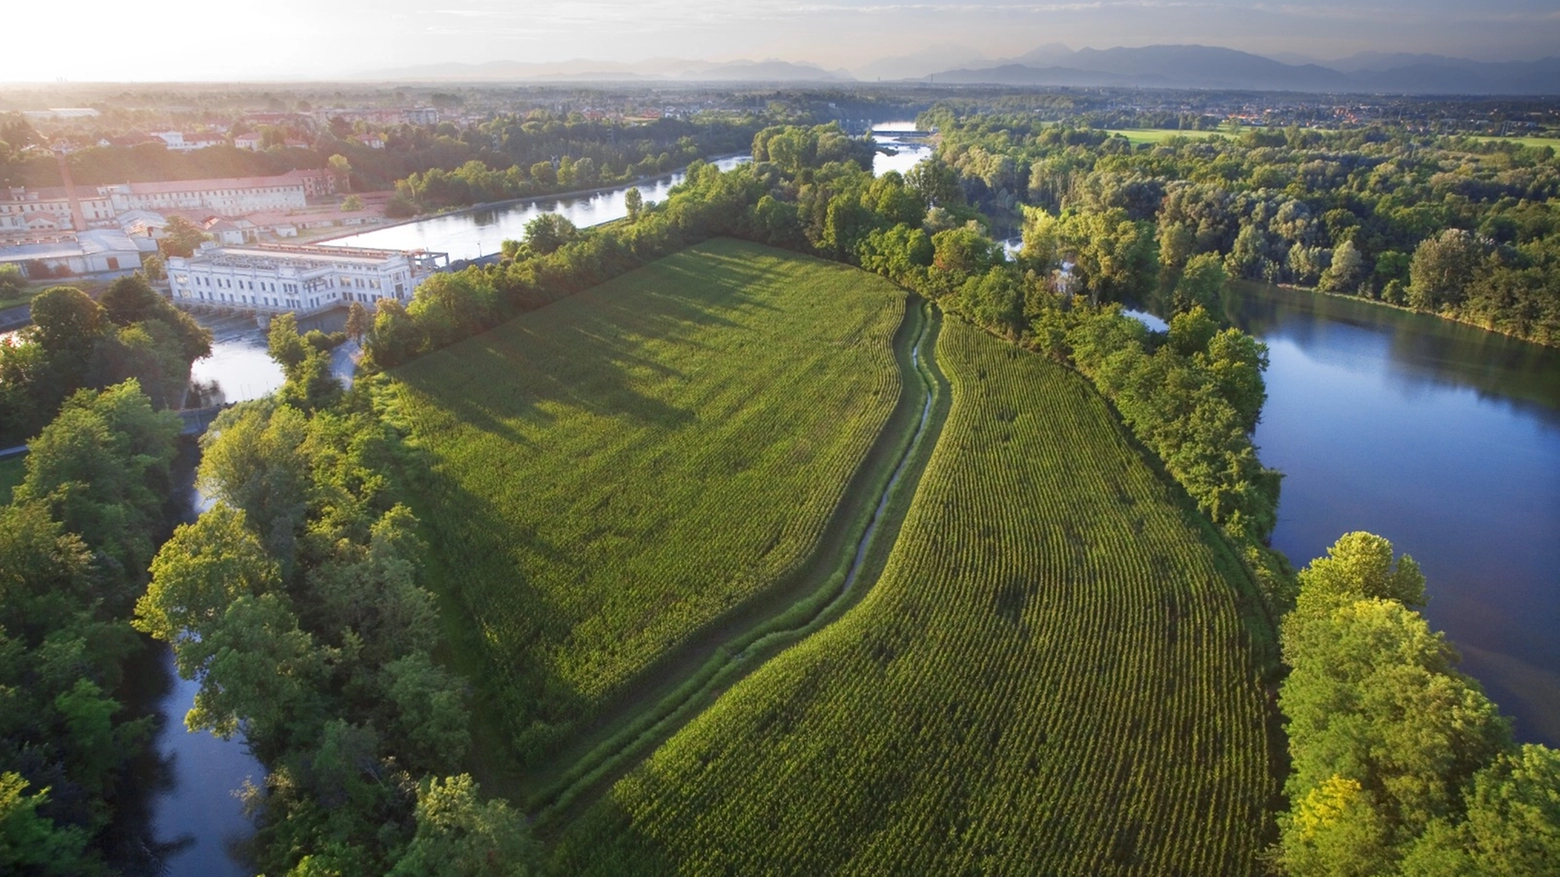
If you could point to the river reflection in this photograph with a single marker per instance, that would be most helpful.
(181, 816)
(1444, 439)
(472, 234)
(907, 153)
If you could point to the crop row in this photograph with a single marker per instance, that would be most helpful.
(609, 474)
(1052, 676)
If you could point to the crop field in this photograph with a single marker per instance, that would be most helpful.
(615, 471)
(1058, 673)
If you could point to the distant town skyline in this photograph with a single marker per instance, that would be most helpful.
(297, 39)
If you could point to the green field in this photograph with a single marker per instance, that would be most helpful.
(1058, 673)
(1140, 136)
(621, 469)
(1524, 141)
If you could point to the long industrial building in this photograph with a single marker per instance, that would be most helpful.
(63, 208)
(302, 279)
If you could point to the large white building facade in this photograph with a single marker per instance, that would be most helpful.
(301, 279)
(45, 210)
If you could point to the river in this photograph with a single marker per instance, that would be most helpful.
(908, 153)
(471, 234)
(1444, 439)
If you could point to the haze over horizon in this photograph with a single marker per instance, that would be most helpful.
(308, 39)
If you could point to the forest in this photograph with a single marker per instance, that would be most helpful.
(1457, 227)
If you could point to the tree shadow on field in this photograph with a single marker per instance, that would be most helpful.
(492, 616)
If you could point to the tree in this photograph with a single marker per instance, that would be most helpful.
(1042, 237)
(358, 321)
(1335, 831)
(311, 385)
(46, 574)
(67, 322)
(31, 843)
(1359, 566)
(1346, 271)
(253, 459)
(936, 183)
(634, 202)
(395, 337)
(12, 280)
(1202, 285)
(154, 267)
(202, 570)
(181, 238)
(548, 232)
(102, 467)
(1236, 361)
(352, 202)
(341, 169)
(460, 836)
(1442, 269)
(284, 344)
(429, 717)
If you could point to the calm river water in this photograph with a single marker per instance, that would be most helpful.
(471, 234)
(1442, 438)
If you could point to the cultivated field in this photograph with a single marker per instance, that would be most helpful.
(616, 470)
(1056, 674)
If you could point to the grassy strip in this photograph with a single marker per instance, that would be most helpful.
(881, 495)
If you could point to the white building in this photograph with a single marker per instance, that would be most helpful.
(250, 142)
(224, 197)
(179, 141)
(303, 279)
(24, 210)
(99, 251)
(60, 113)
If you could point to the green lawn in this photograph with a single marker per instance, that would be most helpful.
(1140, 136)
(621, 469)
(1525, 141)
(1058, 673)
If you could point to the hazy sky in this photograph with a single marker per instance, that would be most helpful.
(202, 39)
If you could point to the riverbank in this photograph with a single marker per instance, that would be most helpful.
(1554, 345)
(529, 199)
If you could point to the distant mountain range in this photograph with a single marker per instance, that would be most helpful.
(1212, 67)
(582, 70)
(1057, 65)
